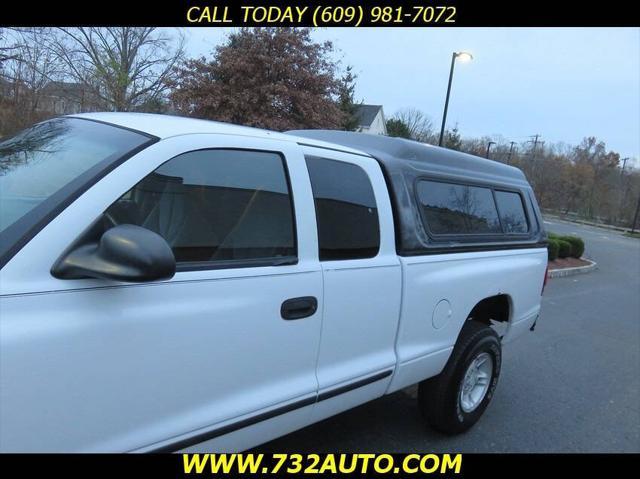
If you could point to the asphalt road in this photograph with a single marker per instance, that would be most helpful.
(573, 385)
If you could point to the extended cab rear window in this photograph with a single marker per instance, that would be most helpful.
(346, 211)
(453, 209)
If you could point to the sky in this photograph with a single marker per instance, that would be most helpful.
(561, 83)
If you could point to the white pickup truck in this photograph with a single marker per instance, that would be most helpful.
(177, 284)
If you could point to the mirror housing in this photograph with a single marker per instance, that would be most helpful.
(123, 253)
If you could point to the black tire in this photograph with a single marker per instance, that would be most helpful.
(439, 397)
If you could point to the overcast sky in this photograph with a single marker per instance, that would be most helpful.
(563, 83)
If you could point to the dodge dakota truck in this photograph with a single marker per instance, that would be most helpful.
(178, 284)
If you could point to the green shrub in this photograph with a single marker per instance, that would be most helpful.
(577, 245)
(553, 235)
(552, 249)
(564, 250)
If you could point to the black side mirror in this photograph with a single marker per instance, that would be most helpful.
(123, 253)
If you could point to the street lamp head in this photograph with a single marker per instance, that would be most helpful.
(464, 56)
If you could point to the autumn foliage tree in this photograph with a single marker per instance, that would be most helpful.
(275, 78)
(586, 180)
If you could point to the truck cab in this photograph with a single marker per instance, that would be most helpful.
(177, 284)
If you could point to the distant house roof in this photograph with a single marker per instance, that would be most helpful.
(60, 88)
(6, 84)
(366, 114)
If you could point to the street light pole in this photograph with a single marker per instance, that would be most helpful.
(624, 163)
(488, 148)
(462, 56)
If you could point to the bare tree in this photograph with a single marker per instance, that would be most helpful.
(33, 66)
(7, 48)
(25, 74)
(419, 124)
(125, 67)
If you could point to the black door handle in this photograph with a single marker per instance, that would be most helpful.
(298, 308)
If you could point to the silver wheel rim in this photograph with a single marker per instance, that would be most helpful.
(475, 382)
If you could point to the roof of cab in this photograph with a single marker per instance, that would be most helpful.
(395, 154)
(166, 126)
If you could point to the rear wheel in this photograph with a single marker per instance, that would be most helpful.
(454, 400)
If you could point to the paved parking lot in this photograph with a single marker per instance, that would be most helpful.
(571, 386)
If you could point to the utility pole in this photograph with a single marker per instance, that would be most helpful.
(533, 169)
(535, 143)
(488, 148)
(510, 152)
(622, 191)
(542, 145)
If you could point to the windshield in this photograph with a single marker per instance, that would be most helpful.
(38, 164)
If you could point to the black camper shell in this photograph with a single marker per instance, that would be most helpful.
(406, 163)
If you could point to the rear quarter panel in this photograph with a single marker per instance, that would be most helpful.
(463, 279)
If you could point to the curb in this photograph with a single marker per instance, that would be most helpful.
(561, 273)
(620, 229)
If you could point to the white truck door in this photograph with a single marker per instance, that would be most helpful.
(94, 365)
(362, 279)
